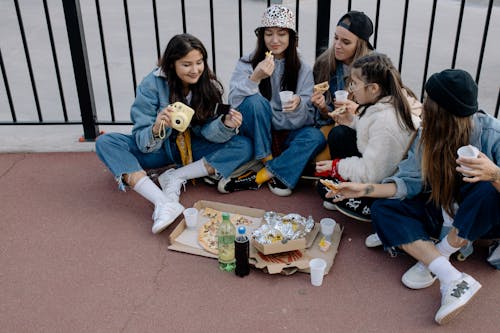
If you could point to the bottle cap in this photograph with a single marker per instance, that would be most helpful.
(242, 230)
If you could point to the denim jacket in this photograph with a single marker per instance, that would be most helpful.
(152, 96)
(408, 178)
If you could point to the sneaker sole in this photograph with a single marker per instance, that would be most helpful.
(416, 286)
(352, 215)
(446, 319)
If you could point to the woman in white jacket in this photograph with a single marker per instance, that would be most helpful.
(382, 129)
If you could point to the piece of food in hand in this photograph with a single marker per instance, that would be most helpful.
(321, 87)
(338, 111)
(269, 53)
(329, 184)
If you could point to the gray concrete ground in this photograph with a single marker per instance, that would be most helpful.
(64, 138)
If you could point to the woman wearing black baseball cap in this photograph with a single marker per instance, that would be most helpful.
(351, 41)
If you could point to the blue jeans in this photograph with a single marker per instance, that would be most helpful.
(119, 152)
(299, 147)
(399, 222)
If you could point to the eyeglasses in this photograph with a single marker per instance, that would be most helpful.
(354, 87)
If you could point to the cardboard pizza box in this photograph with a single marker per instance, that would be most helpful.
(185, 240)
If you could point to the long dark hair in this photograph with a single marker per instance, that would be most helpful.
(442, 134)
(378, 68)
(206, 93)
(292, 63)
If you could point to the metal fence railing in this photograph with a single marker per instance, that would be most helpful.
(78, 64)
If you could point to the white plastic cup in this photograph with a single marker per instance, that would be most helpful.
(341, 95)
(468, 151)
(191, 217)
(286, 96)
(327, 227)
(317, 268)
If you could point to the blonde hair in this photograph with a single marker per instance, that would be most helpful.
(442, 134)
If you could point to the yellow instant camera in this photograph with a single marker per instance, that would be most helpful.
(181, 117)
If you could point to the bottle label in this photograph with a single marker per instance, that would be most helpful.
(226, 248)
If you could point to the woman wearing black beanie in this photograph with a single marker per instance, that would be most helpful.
(433, 185)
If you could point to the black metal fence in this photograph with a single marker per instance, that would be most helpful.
(91, 116)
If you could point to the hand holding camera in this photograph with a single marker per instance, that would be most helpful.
(177, 116)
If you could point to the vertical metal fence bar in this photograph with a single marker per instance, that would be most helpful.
(457, 35)
(240, 27)
(54, 57)
(157, 34)
(323, 26)
(297, 16)
(428, 52)
(349, 5)
(105, 59)
(7, 89)
(498, 104)
(483, 43)
(28, 61)
(81, 68)
(377, 15)
(183, 12)
(130, 48)
(403, 35)
(212, 35)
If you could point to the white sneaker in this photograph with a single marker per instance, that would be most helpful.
(373, 240)
(329, 205)
(457, 295)
(164, 214)
(418, 277)
(171, 185)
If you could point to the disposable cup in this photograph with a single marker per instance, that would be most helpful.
(468, 151)
(327, 226)
(341, 95)
(191, 217)
(286, 96)
(317, 268)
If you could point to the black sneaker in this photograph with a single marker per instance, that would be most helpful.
(278, 188)
(244, 182)
(358, 208)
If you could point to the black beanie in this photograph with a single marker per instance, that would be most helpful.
(454, 90)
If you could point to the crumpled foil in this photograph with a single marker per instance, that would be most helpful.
(277, 228)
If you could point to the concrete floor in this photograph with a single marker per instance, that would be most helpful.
(77, 255)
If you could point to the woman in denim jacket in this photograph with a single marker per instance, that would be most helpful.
(275, 65)
(433, 184)
(211, 142)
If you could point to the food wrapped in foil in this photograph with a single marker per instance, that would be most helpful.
(278, 228)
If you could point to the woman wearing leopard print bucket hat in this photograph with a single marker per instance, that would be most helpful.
(274, 66)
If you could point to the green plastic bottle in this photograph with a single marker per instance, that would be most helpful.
(225, 244)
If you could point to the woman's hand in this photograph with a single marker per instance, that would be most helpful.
(481, 169)
(233, 119)
(346, 117)
(162, 116)
(291, 105)
(264, 69)
(319, 101)
(348, 190)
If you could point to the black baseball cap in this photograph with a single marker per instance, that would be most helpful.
(360, 25)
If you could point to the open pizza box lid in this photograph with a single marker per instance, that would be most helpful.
(183, 239)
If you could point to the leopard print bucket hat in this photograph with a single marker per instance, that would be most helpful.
(277, 16)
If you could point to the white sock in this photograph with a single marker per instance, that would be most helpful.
(444, 271)
(148, 189)
(196, 169)
(445, 248)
